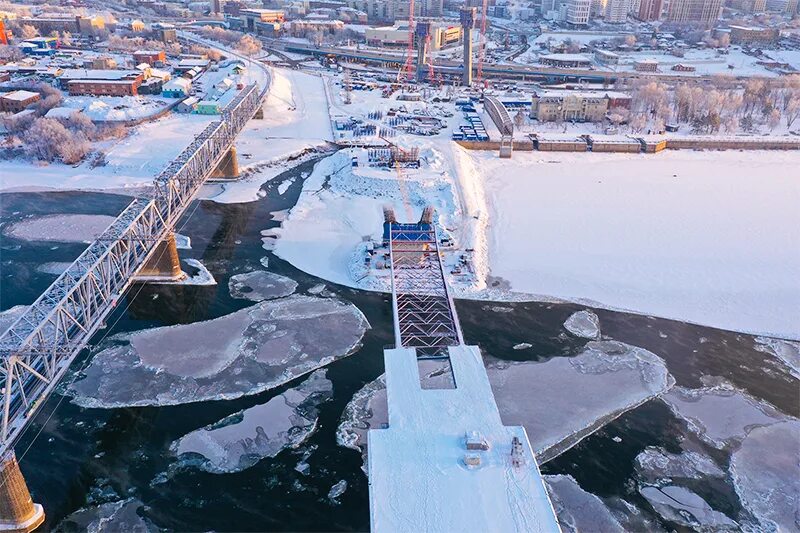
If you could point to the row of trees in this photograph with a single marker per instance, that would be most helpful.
(712, 109)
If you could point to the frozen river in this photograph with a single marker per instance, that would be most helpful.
(87, 457)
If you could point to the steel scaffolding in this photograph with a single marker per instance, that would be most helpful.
(37, 349)
(424, 315)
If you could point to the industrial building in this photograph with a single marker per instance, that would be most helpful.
(566, 60)
(442, 35)
(151, 57)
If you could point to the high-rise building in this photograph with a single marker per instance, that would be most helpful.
(696, 12)
(578, 12)
(791, 7)
(650, 10)
(617, 11)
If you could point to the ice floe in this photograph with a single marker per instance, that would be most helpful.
(681, 505)
(766, 475)
(720, 415)
(578, 510)
(115, 516)
(60, 228)
(337, 490)
(244, 438)
(786, 351)
(11, 315)
(584, 324)
(260, 285)
(654, 464)
(596, 386)
(54, 269)
(246, 352)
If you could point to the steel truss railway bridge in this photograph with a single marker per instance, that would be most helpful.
(37, 350)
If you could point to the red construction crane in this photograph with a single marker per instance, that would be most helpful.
(409, 65)
(482, 48)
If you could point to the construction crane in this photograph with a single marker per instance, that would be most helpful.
(408, 68)
(482, 48)
(401, 176)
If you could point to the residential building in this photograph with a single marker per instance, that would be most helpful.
(575, 106)
(617, 11)
(694, 12)
(16, 101)
(650, 10)
(122, 87)
(578, 12)
(101, 63)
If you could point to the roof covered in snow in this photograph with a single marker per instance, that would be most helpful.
(61, 112)
(19, 96)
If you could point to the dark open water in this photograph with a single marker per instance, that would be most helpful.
(72, 457)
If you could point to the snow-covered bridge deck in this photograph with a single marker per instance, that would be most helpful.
(446, 462)
(418, 477)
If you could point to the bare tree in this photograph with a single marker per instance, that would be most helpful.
(48, 140)
(10, 53)
(27, 31)
(248, 45)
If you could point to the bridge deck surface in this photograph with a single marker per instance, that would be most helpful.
(418, 479)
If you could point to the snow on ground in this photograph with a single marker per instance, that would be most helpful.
(787, 351)
(296, 122)
(117, 108)
(583, 324)
(577, 509)
(60, 228)
(260, 285)
(246, 352)
(681, 234)
(596, 386)
(244, 438)
(766, 475)
(115, 516)
(132, 162)
(720, 415)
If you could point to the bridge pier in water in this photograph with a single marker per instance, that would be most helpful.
(228, 168)
(18, 513)
(164, 264)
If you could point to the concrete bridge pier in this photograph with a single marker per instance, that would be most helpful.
(18, 513)
(164, 264)
(228, 168)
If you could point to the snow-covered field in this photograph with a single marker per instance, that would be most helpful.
(132, 162)
(707, 237)
(295, 122)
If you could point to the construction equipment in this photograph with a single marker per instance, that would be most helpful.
(482, 48)
(408, 67)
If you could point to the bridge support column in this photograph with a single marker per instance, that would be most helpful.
(18, 513)
(259, 112)
(228, 168)
(164, 264)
